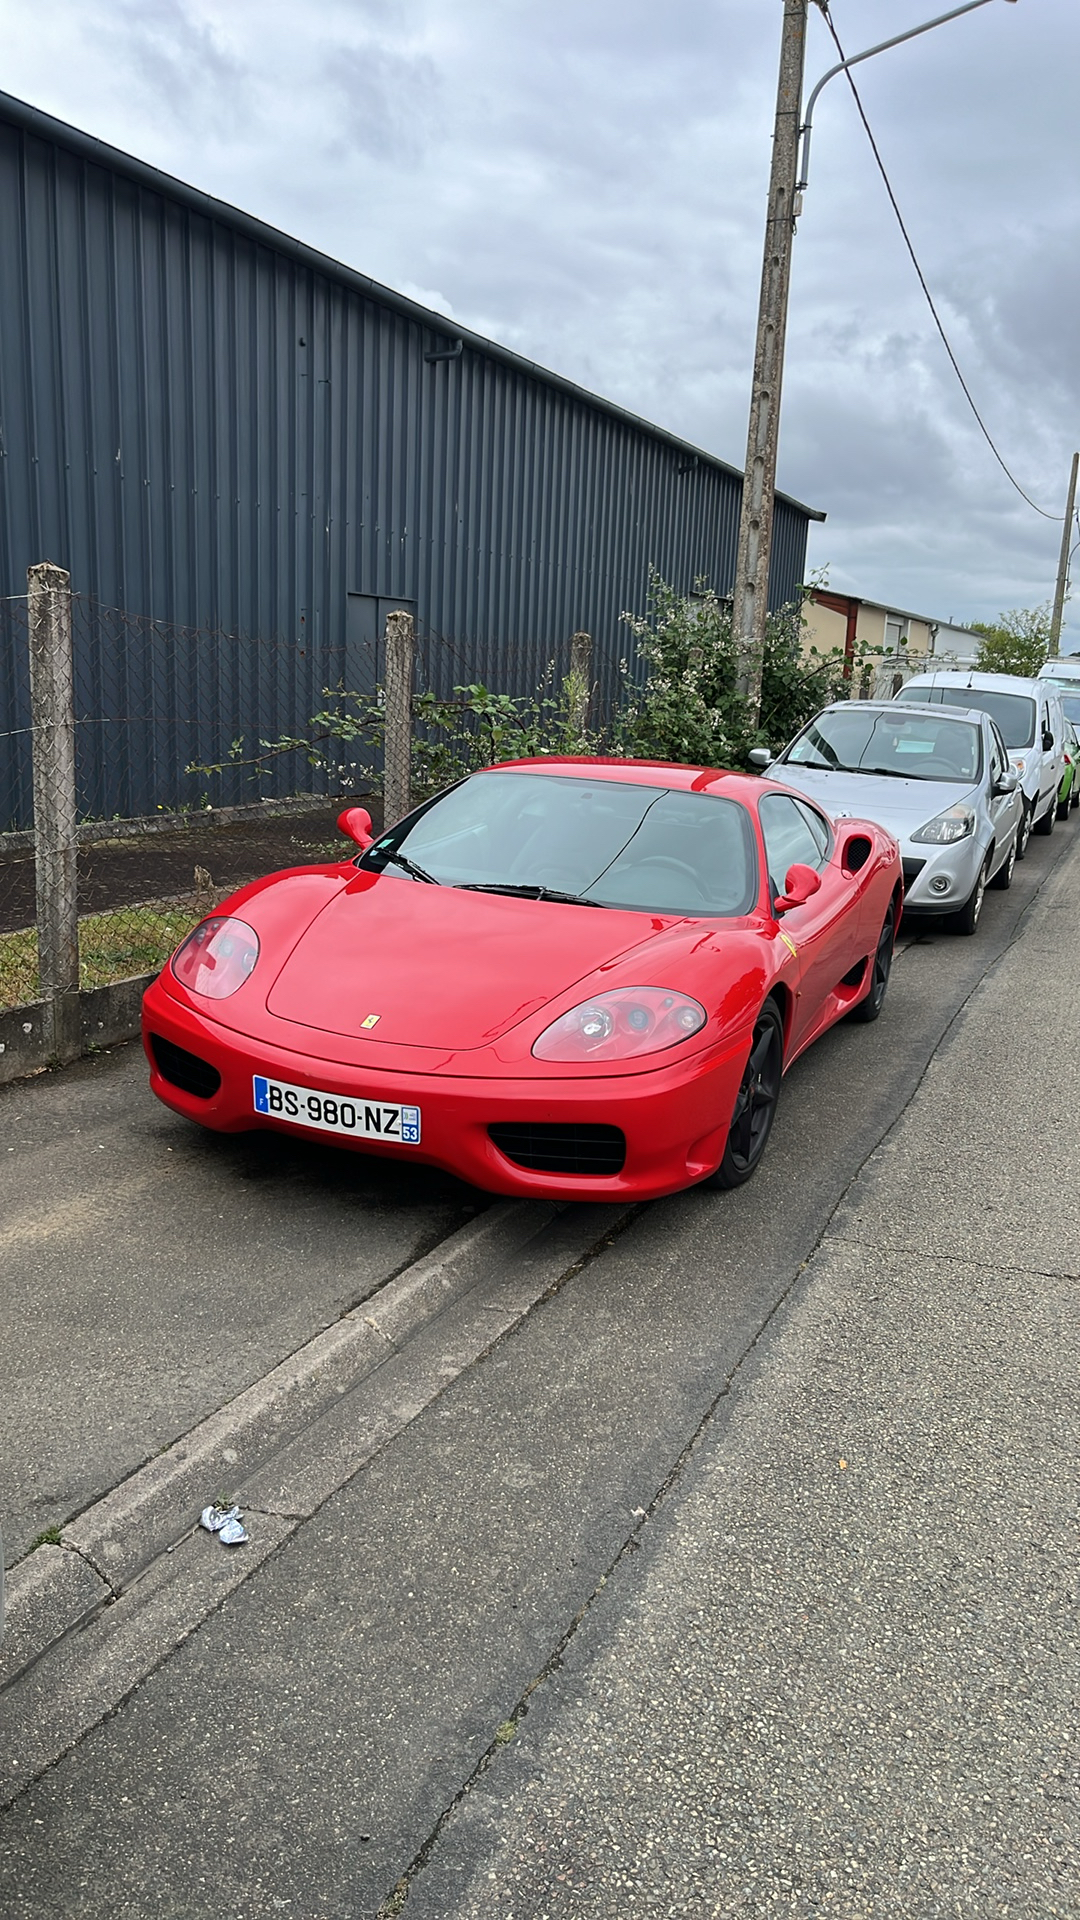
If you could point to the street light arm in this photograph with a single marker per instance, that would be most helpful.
(842, 65)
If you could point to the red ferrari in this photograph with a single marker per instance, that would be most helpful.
(573, 978)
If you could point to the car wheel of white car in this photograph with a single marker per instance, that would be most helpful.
(1023, 832)
(1045, 822)
(966, 918)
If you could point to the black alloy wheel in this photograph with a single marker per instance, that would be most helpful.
(869, 1008)
(1023, 832)
(1003, 878)
(755, 1103)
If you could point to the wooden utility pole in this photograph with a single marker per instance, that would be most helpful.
(759, 481)
(1063, 563)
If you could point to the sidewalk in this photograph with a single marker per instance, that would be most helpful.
(842, 1676)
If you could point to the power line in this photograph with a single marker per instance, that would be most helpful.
(1057, 517)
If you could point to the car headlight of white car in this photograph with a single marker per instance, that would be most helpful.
(956, 823)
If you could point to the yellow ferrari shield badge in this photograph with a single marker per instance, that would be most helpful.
(372, 1019)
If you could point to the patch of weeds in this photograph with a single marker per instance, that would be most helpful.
(50, 1538)
(112, 946)
(506, 1732)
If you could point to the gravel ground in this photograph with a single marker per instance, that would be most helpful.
(845, 1680)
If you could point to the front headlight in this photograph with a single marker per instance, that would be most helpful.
(621, 1023)
(217, 958)
(956, 823)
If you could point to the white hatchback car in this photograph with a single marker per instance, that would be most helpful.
(1032, 723)
(941, 782)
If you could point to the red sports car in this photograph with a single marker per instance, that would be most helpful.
(578, 978)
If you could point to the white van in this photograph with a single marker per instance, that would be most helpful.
(1031, 721)
(1064, 675)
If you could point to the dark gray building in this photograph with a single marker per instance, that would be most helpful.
(212, 425)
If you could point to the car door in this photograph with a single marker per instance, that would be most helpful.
(1052, 719)
(826, 931)
(1004, 808)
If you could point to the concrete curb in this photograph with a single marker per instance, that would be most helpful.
(107, 1548)
(106, 1015)
(135, 1575)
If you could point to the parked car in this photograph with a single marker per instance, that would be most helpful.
(1030, 718)
(579, 978)
(940, 782)
(1069, 790)
(1064, 677)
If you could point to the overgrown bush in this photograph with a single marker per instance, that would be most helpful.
(686, 705)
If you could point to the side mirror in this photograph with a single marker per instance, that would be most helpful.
(1007, 782)
(1048, 740)
(800, 884)
(760, 757)
(355, 824)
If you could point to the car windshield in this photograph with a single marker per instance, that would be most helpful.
(603, 843)
(860, 739)
(1071, 704)
(1014, 712)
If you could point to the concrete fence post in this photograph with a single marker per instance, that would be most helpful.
(579, 688)
(52, 701)
(398, 690)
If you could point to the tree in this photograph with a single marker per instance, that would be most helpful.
(1016, 642)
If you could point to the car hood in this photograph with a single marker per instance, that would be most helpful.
(901, 806)
(438, 967)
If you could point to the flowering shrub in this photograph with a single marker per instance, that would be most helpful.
(680, 698)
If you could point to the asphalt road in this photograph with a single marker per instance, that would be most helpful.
(298, 1753)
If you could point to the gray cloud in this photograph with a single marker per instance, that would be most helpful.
(588, 185)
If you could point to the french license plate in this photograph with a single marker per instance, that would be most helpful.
(335, 1113)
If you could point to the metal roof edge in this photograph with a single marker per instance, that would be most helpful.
(88, 147)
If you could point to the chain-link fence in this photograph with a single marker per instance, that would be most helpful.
(198, 759)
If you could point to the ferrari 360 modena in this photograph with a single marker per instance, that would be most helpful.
(574, 978)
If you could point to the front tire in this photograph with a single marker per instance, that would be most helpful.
(1023, 832)
(1045, 823)
(881, 967)
(966, 918)
(1003, 878)
(755, 1103)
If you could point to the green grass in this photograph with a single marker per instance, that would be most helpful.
(112, 946)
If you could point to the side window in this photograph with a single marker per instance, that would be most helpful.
(788, 837)
(820, 829)
(999, 759)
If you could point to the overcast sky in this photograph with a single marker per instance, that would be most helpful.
(585, 181)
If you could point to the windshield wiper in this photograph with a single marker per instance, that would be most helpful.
(527, 893)
(886, 773)
(414, 871)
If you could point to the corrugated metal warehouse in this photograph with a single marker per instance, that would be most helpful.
(212, 425)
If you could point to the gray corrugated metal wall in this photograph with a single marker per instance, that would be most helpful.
(211, 425)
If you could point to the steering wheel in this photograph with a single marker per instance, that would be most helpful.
(667, 863)
(942, 767)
